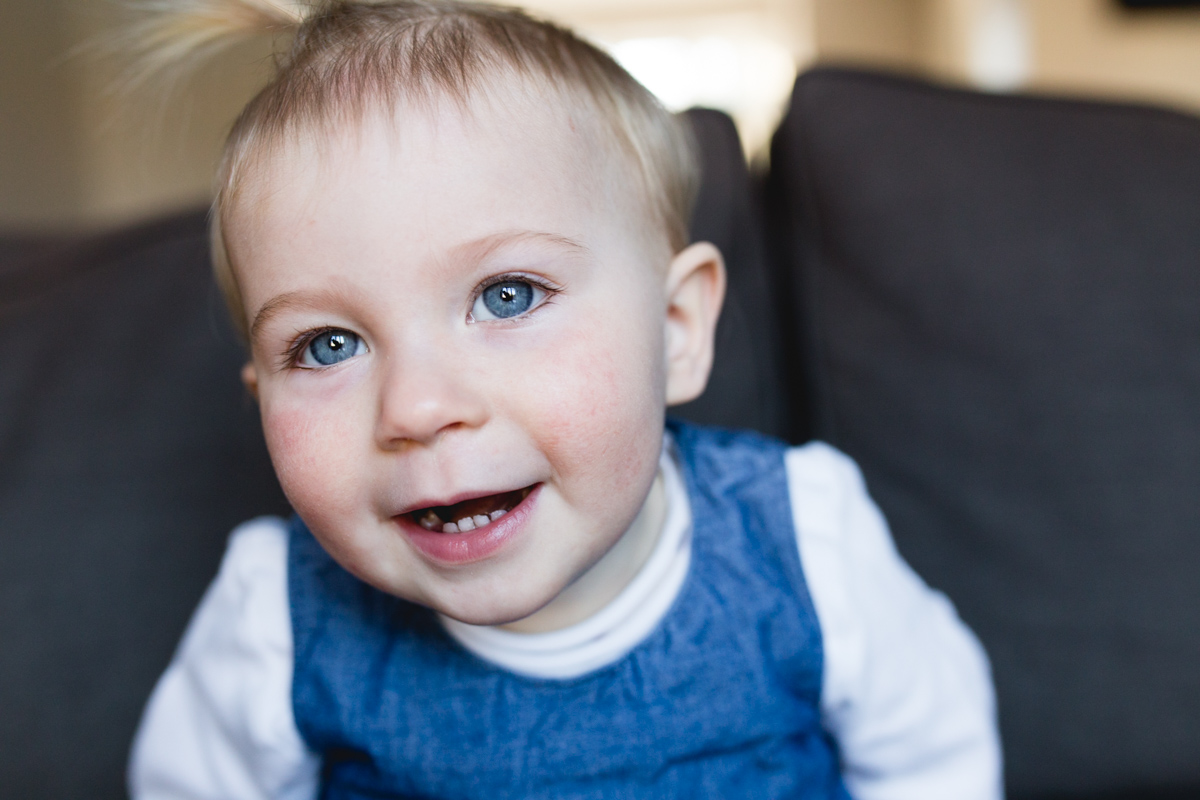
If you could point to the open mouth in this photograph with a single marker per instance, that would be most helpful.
(470, 514)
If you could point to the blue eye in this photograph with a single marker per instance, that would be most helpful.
(506, 299)
(331, 347)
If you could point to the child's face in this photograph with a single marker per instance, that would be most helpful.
(460, 317)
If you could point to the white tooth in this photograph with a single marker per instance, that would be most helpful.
(466, 524)
(480, 520)
(497, 514)
(449, 527)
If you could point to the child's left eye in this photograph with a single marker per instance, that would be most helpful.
(331, 347)
(505, 299)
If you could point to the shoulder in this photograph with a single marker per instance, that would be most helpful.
(721, 459)
(818, 460)
(250, 588)
(906, 689)
(242, 628)
(691, 436)
(220, 722)
(820, 470)
(830, 500)
(821, 458)
(822, 483)
(256, 549)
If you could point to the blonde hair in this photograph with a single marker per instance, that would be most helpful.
(348, 55)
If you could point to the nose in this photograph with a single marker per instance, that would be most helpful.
(423, 396)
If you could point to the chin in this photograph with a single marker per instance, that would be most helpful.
(492, 610)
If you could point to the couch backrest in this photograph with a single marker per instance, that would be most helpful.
(127, 451)
(744, 390)
(996, 306)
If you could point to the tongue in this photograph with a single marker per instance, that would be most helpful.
(477, 506)
(469, 508)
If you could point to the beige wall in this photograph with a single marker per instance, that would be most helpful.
(884, 33)
(785, 26)
(40, 174)
(72, 154)
(75, 153)
(1084, 46)
(1089, 47)
(154, 149)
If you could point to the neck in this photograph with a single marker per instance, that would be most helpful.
(599, 585)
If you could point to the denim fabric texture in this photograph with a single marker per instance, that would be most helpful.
(720, 701)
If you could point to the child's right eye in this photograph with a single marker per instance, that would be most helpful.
(331, 347)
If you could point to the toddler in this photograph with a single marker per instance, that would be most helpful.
(455, 240)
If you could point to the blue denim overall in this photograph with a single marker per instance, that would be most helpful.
(720, 701)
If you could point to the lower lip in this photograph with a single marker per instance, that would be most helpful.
(472, 546)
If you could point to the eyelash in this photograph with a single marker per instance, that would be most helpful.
(295, 349)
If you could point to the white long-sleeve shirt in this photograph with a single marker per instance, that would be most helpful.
(906, 688)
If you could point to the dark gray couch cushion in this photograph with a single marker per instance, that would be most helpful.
(997, 301)
(128, 449)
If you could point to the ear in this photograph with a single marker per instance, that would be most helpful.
(250, 379)
(695, 290)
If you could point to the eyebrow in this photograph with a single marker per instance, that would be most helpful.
(298, 300)
(475, 250)
(480, 249)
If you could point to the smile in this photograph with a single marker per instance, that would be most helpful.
(470, 530)
(469, 515)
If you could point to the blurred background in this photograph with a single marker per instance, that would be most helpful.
(74, 155)
(1010, 347)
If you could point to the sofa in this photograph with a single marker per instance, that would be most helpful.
(991, 302)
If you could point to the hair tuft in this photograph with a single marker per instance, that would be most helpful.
(168, 37)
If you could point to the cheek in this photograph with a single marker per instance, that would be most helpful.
(599, 410)
(311, 456)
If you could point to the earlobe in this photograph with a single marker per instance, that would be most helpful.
(250, 379)
(695, 291)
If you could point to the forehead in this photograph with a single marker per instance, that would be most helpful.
(507, 160)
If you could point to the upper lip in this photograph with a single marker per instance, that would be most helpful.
(454, 499)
